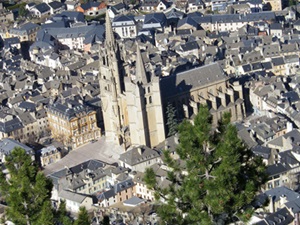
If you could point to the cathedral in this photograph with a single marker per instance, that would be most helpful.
(133, 106)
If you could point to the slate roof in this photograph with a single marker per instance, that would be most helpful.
(90, 4)
(8, 144)
(277, 192)
(275, 26)
(27, 105)
(155, 18)
(11, 41)
(278, 61)
(276, 169)
(56, 5)
(173, 13)
(189, 46)
(138, 155)
(118, 6)
(124, 18)
(124, 185)
(48, 149)
(69, 109)
(281, 217)
(106, 195)
(262, 151)
(72, 196)
(185, 81)
(26, 118)
(187, 20)
(11, 125)
(42, 8)
(133, 201)
(24, 29)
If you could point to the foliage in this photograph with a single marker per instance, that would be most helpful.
(292, 2)
(22, 11)
(219, 179)
(47, 216)
(63, 214)
(16, 6)
(27, 191)
(171, 120)
(105, 220)
(83, 217)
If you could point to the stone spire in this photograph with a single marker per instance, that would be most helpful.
(110, 40)
(140, 72)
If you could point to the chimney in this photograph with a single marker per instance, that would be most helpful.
(271, 204)
(166, 145)
(283, 200)
(140, 150)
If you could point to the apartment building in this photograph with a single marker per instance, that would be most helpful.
(72, 122)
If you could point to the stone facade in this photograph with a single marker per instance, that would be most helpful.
(73, 123)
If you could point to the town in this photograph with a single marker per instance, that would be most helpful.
(92, 92)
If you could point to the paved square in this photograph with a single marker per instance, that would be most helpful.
(105, 151)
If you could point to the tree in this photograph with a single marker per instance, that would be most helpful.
(83, 217)
(105, 220)
(292, 2)
(221, 176)
(171, 119)
(27, 191)
(22, 11)
(46, 217)
(63, 215)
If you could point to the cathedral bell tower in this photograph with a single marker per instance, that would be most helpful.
(110, 81)
(144, 106)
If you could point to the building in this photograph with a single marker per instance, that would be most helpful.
(125, 26)
(6, 16)
(41, 10)
(139, 158)
(86, 178)
(8, 144)
(49, 155)
(72, 122)
(26, 32)
(275, 5)
(92, 8)
(75, 200)
(133, 106)
(207, 85)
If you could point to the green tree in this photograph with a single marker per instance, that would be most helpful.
(171, 119)
(63, 214)
(22, 11)
(47, 216)
(83, 217)
(221, 176)
(27, 191)
(105, 220)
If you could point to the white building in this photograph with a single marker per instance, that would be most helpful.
(125, 26)
(75, 200)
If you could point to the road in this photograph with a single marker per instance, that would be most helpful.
(101, 150)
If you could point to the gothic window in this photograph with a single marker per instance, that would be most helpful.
(150, 99)
(148, 89)
(103, 59)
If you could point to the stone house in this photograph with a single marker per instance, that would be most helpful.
(49, 155)
(139, 158)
